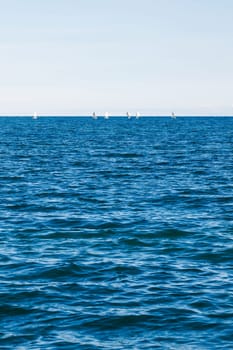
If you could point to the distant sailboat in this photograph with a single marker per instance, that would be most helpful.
(106, 115)
(137, 115)
(128, 115)
(34, 115)
(173, 116)
(94, 116)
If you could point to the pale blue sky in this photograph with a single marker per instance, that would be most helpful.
(72, 57)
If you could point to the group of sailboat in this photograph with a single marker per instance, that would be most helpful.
(107, 115)
(129, 115)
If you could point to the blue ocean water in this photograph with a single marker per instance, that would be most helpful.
(116, 234)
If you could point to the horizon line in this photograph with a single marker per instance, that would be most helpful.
(112, 116)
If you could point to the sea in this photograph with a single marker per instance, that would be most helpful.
(116, 234)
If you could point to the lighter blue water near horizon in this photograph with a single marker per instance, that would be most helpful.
(116, 234)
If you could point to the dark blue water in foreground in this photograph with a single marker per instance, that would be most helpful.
(116, 234)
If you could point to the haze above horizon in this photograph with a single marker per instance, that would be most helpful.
(74, 57)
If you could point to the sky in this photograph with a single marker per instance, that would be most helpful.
(73, 57)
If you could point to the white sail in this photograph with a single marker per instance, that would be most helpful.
(106, 115)
(128, 115)
(137, 115)
(34, 115)
(173, 115)
(94, 116)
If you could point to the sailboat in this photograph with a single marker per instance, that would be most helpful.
(173, 116)
(94, 116)
(34, 115)
(106, 115)
(128, 115)
(137, 115)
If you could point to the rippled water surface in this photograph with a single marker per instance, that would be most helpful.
(116, 234)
